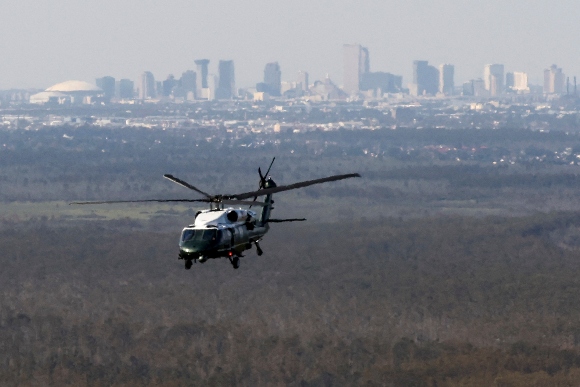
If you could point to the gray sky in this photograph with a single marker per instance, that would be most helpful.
(50, 41)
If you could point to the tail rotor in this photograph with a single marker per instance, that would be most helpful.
(263, 177)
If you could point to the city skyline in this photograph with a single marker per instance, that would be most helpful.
(48, 44)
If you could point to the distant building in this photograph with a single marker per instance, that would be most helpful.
(189, 84)
(467, 88)
(381, 81)
(475, 87)
(158, 88)
(273, 79)
(261, 96)
(168, 85)
(425, 79)
(202, 65)
(446, 79)
(554, 80)
(302, 83)
(326, 90)
(147, 89)
(107, 84)
(509, 81)
(356, 64)
(493, 77)
(520, 82)
(69, 92)
(210, 91)
(125, 89)
(226, 86)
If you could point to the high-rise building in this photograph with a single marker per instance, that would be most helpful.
(302, 82)
(273, 78)
(425, 78)
(379, 80)
(479, 89)
(520, 81)
(554, 80)
(124, 89)
(202, 65)
(189, 84)
(356, 64)
(493, 76)
(226, 85)
(446, 79)
(509, 81)
(168, 85)
(475, 87)
(107, 84)
(147, 87)
(212, 85)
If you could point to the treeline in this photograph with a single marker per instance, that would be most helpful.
(443, 301)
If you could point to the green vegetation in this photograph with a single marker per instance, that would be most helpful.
(442, 300)
(428, 271)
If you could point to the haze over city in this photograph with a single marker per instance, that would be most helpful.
(49, 42)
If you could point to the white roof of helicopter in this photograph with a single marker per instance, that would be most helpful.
(216, 218)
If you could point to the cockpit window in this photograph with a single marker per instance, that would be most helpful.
(199, 235)
(187, 235)
(209, 235)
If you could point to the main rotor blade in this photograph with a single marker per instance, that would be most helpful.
(145, 201)
(186, 185)
(285, 220)
(282, 188)
(242, 203)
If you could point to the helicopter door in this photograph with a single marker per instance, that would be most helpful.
(229, 242)
(233, 238)
(242, 234)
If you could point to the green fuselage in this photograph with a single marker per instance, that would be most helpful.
(221, 241)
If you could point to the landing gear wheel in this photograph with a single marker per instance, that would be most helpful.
(188, 264)
(236, 262)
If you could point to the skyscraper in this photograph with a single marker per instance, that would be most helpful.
(125, 89)
(107, 84)
(356, 64)
(446, 79)
(493, 76)
(425, 78)
(189, 84)
(168, 85)
(509, 81)
(202, 74)
(554, 80)
(226, 84)
(475, 87)
(520, 81)
(302, 83)
(379, 80)
(273, 78)
(147, 86)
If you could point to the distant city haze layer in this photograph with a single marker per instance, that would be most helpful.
(44, 43)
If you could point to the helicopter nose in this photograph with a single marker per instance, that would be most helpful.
(190, 247)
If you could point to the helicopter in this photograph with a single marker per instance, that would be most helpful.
(226, 232)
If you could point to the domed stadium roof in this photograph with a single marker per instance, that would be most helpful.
(72, 86)
(46, 96)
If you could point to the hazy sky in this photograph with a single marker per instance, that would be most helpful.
(49, 41)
